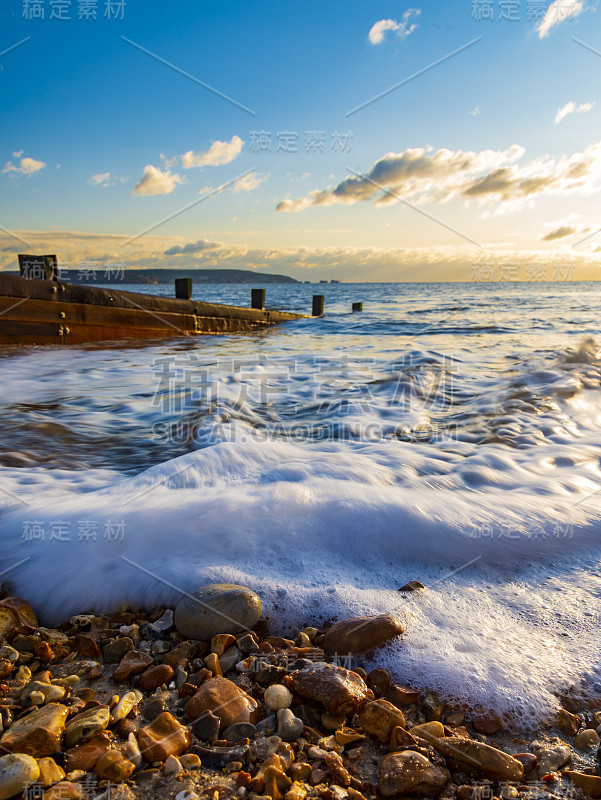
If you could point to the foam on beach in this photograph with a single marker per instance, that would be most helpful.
(501, 521)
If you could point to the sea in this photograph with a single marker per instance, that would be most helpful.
(449, 434)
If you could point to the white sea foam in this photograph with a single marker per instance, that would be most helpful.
(495, 510)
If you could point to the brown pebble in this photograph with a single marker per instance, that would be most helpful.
(114, 767)
(156, 676)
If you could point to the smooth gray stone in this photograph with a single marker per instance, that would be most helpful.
(217, 608)
(235, 734)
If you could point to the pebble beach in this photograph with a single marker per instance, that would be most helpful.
(202, 701)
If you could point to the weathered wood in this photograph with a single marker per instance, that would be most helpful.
(318, 304)
(183, 288)
(43, 312)
(38, 267)
(257, 298)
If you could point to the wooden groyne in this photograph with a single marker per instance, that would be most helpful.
(47, 311)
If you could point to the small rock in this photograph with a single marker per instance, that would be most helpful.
(229, 659)
(181, 655)
(219, 695)
(213, 665)
(132, 750)
(153, 707)
(114, 650)
(568, 723)
(268, 725)
(529, 760)
(50, 772)
(552, 755)
(339, 690)
(125, 705)
(379, 717)
(132, 663)
(15, 612)
(360, 634)
(150, 632)
(190, 761)
(344, 736)
(173, 765)
(277, 696)
(85, 756)
(590, 784)
(237, 733)
(114, 767)
(402, 695)
(221, 642)
(180, 677)
(432, 707)
(206, 727)
(218, 757)
(412, 586)
(217, 608)
(289, 726)
(487, 724)
(39, 733)
(378, 681)
(17, 770)
(9, 653)
(86, 724)
(65, 790)
(400, 739)
(337, 770)
(164, 737)
(587, 739)
(409, 772)
(428, 731)
(488, 760)
(165, 622)
(247, 643)
(155, 676)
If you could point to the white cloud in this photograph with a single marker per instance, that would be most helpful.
(105, 179)
(402, 28)
(27, 167)
(101, 179)
(17, 153)
(249, 182)
(219, 153)
(571, 108)
(424, 176)
(156, 181)
(558, 12)
(474, 112)
(194, 247)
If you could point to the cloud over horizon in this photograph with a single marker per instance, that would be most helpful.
(441, 262)
(424, 175)
(192, 247)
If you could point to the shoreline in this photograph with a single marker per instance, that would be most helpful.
(128, 704)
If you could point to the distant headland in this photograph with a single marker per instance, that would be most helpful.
(114, 274)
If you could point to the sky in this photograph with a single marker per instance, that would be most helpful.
(352, 141)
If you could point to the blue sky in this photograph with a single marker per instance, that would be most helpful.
(96, 132)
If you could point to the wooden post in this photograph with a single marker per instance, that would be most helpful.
(357, 306)
(38, 267)
(257, 299)
(183, 288)
(318, 303)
